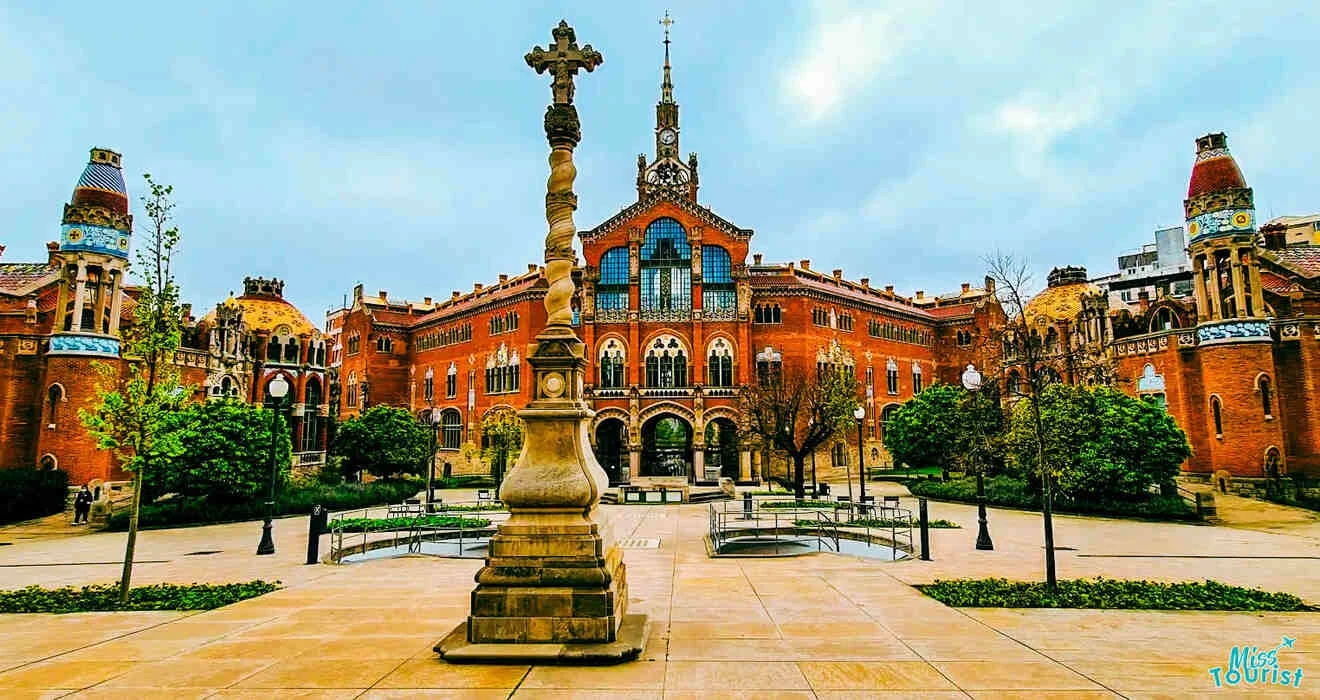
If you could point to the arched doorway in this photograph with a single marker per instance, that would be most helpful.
(666, 446)
(612, 448)
(722, 447)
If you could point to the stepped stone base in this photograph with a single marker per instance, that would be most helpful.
(629, 642)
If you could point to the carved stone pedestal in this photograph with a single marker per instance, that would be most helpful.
(554, 588)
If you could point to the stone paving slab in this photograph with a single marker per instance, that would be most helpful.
(821, 626)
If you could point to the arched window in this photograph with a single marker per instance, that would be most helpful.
(719, 366)
(351, 393)
(1052, 340)
(1163, 320)
(891, 377)
(769, 365)
(451, 381)
(610, 367)
(1216, 412)
(916, 378)
(451, 429)
(311, 433)
(839, 454)
(1273, 463)
(54, 396)
(666, 364)
(1014, 383)
(717, 292)
(428, 384)
(227, 387)
(666, 268)
(886, 415)
(1264, 385)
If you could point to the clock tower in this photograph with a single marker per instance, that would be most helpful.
(667, 171)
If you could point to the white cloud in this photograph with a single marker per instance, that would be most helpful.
(848, 46)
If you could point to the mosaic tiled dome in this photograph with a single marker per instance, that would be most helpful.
(1215, 168)
(1062, 299)
(264, 308)
(102, 183)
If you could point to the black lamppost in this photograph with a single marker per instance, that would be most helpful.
(277, 390)
(431, 418)
(971, 381)
(860, 414)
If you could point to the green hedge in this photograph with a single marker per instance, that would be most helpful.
(27, 493)
(1011, 492)
(165, 596)
(289, 501)
(886, 523)
(1111, 594)
(437, 521)
(466, 481)
(801, 504)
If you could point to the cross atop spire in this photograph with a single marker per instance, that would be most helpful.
(563, 60)
(667, 88)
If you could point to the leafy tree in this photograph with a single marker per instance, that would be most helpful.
(225, 452)
(139, 394)
(926, 430)
(384, 441)
(796, 412)
(502, 439)
(980, 432)
(1105, 443)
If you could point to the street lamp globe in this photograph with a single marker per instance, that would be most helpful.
(278, 387)
(859, 412)
(971, 379)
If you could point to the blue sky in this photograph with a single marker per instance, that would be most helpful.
(400, 144)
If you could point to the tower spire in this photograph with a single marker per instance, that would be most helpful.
(667, 87)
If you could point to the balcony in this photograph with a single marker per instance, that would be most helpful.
(720, 391)
(609, 393)
(667, 393)
(611, 315)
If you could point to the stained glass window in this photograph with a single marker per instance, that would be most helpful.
(666, 267)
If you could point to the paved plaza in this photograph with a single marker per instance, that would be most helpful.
(820, 625)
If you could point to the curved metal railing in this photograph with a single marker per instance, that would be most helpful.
(413, 529)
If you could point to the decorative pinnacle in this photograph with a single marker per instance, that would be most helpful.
(667, 87)
(563, 59)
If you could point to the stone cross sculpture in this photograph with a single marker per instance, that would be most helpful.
(553, 589)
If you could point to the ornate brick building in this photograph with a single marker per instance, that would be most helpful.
(59, 316)
(1237, 364)
(677, 319)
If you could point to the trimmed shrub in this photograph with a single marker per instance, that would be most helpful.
(105, 597)
(1011, 492)
(436, 521)
(27, 493)
(1108, 594)
(177, 512)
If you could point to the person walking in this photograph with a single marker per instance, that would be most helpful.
(82, 505)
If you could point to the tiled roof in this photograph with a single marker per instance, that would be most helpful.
(1301, 259)
(1275, 283)
(473, 299)
(18, 278)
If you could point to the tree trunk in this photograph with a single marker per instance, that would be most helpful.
(126, 577)
(1047, 496)
(799, 476)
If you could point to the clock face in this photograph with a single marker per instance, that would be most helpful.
(668, 137)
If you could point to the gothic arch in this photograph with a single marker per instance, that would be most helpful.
(1272, 459)
(610, 412)
(48, 461)
(497, 408)
(666, 407)
(713, 412)
(665, 335)
(603, 342)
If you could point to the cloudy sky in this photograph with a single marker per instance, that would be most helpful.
(400, 144)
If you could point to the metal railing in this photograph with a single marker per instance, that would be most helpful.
(756, 516)
(412, 529)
